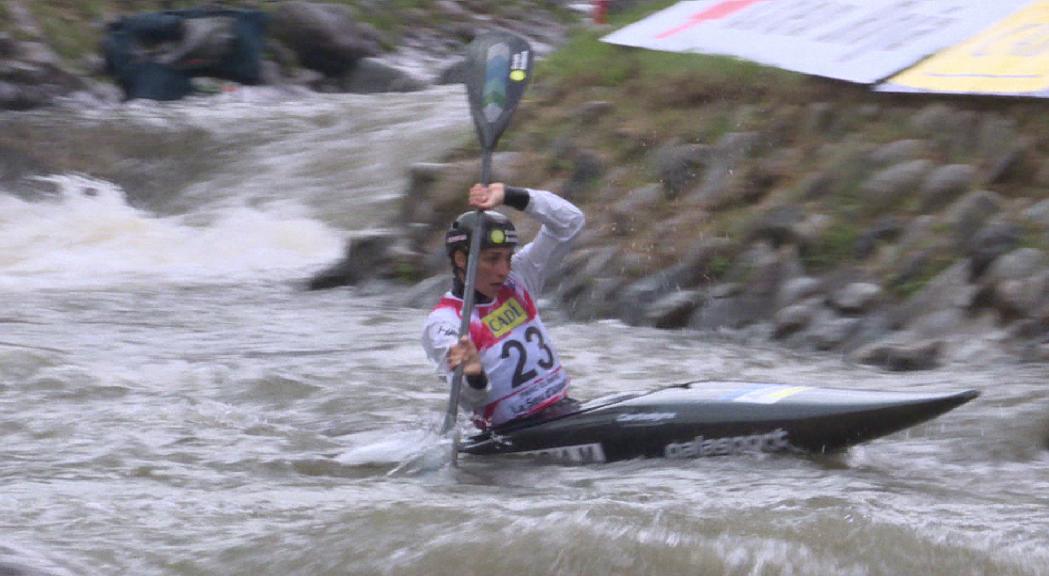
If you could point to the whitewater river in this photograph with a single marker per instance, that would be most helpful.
(172, 403)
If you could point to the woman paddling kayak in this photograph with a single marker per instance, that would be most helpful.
(511, 365)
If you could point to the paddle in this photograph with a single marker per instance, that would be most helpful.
(497, 69)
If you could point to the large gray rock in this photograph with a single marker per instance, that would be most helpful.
(901, 353)
(898, 152)
(949, 290)
(830, 332)
(1018, 264)
(970, 213)
(637, 296)
(679, 165)
(369, 76)
(888, 187)
(945, 184)
(633, 208)
(795, 317)
(797, 289)
(673, 310)
(368, 256)
(885, 229)
(990, 242)
(716, 190)
(856, 298)
(1038, 214)
(778, 225)
(1023, 297)
(325, 37)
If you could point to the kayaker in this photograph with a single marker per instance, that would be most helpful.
(510, 364)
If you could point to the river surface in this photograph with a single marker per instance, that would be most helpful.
(173, 403)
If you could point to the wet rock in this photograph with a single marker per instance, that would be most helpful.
(632, 210)
(1038, 214)
(945, 184)
(969, 214)
(715, 190)
(587, 168)
(589, 298)
(778, 226)
(592, 111)
(934, 120)
(819, 117)
(856, 298)
(1022, 297)
(1007, 165)
(885, 229)
(325, 37)
(635, 297)
(795, 317)
(729, 311)
(454, 73)
(678, 165)
(369, 76)
(996, 134)
(701, 262)
(1018, 283)
(673, 310)
(817, 185)
(990, 242)
(901, 352)
(898, 152)
(892, 185)
(1016, 265)
(750, 294)
(939, 324)
(797, 289)
(367, 257)
(948, 290)
(830, 332)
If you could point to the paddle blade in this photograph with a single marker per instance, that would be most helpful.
(498, 68)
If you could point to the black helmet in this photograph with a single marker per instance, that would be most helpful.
(499, 232)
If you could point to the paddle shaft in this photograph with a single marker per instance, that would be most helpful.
(470, 283)
(498, 67)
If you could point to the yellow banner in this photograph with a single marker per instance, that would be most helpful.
(1011, 57)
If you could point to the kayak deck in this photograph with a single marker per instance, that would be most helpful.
(715, 418)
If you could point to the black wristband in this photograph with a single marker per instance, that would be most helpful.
(477, 381)
(517, 198)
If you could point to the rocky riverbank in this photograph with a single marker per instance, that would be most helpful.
(902, 232)
(51, 53)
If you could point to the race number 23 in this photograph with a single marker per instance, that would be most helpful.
(520, 350)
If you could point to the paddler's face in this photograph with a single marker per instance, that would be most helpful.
(493, 266)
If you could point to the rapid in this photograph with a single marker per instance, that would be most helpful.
(172, 402)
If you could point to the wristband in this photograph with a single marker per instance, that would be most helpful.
(477, 381)
(517, 198)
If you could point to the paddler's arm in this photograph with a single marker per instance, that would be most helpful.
(561, 224)
(439, 342)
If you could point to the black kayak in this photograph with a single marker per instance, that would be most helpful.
(699, 419)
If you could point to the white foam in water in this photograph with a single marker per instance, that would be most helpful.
(89, 236)
(411, 450)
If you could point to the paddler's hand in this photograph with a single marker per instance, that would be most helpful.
(465, 352)
(487, 197)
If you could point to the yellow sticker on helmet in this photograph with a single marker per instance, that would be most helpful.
(497, 236)
(517, 75)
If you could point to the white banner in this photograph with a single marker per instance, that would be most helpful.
(856, 40)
